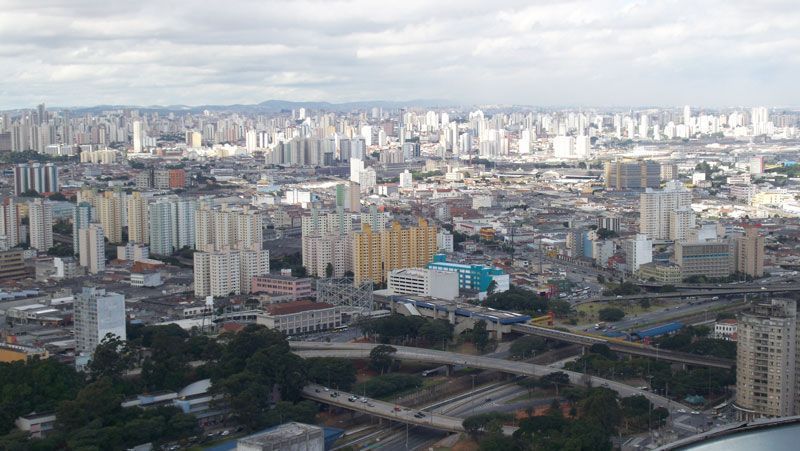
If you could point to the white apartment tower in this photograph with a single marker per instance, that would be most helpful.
(97, 314)
(91, 248)
(656, 207)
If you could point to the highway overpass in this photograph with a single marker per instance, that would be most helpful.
(382, 409)
(755, 289)
(624, 347)
(362, 350)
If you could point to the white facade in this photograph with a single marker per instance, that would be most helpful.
(406, 180)
(563, 147)
(98, 313)
(444, 240)
(638, 252)
(424, 282)
(91, 250)
(226, 273)
(655, 208)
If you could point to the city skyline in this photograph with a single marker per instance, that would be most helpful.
(581, 53)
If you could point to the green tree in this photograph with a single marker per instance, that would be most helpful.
(610, 314)
(329, 270)
(381, 358)
(491, 288)
(554, 379)
(480, 335)
(332, 372)
(111, 358)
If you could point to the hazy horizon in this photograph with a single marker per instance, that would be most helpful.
(577, 53)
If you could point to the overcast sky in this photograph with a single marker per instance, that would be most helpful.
(585, 53)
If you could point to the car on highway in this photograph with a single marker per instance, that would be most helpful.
(352, 398)
(396, 409)
(419, 415)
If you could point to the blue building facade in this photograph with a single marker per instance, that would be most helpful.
(472, 277)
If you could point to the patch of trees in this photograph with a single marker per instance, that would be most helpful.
(387, 385)
(610, 314)
(408, 329)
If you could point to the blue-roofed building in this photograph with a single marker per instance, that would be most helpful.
(473, 277)
(657, 331)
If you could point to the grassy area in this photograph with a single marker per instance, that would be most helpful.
(630, 308)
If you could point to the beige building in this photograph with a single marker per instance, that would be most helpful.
(377, 253)
(656, 208)
(228, 272)
(327, 239)
(632, 174)
(750, 253)
(766, 361)
(138, 219)
(91, 248)
(109, 212)
(228, 228)
(712, 259)
(665, 274)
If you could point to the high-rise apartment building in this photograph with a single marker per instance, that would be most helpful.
(82, 216)
(655, 208)
(669, 171)
(326, 239)
(137, 136)
(172, 224)
(9, 224)
(640, 174)
(35, 177)
(194, 139)
(638, 251)
(109, 212)
(97, 314)
(228, 228)
(228, 272)
(40, 224)
(91, 250)
(750, 253)
(138, 218)
(375, 253)
(681, 222)
(766, 361)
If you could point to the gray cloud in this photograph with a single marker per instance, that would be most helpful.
(580, 52)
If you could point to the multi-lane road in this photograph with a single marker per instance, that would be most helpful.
(361, 351)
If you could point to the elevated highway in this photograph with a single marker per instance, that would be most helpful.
(624, 347)
(362, 350)
(717, 291)
(383, 409)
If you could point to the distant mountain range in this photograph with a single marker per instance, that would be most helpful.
(274, 106)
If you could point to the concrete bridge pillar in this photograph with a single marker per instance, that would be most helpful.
(449, 370)
(451, 316)
(499, 331)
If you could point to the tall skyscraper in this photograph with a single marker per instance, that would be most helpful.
(750, 253)
(91, 248)
(766, 361)
(81, 217)
(40, 224)
(655, 208)
(97, 314)
(138, 219)
(326, 240)
(109, 209)
(9, 223)
(137, 136)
